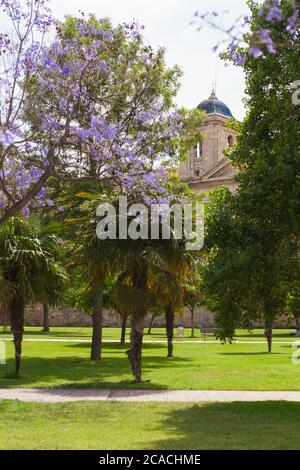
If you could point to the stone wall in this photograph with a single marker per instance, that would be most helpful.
(64, 316)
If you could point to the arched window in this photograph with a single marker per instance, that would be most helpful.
(230, 141)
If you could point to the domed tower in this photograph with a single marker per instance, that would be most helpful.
(207, 167)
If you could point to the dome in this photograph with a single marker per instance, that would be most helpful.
(214, 106)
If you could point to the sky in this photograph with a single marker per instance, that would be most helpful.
(168, 24)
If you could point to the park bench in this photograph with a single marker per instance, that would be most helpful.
(207, 331)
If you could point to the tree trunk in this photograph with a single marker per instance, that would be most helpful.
(46, 328)
(192, 323)
(136, 342)
(17, 327)
(123, 331)
(97, 324)
(297, 319)
(151, 324)
(269, 334)
(170, 328)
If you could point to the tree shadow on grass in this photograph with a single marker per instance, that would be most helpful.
(72, 372)
(115, 346)
(276, 335)
(225, 426)
(52, 334)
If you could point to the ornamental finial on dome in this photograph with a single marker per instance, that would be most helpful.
(213, 95)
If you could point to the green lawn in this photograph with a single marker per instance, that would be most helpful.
(195, 366)
(165, 426)
(157, 334)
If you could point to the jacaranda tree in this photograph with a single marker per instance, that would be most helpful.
(95, 103)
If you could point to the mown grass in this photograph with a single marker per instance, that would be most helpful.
(195, 366)
(170, 426)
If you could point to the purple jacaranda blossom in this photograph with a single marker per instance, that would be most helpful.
(292, 23)
(103, 66)
(42, 193)
(65, 71)
(256, 52)
(28, 12)
(238, 57)
(89, 29)
(26, 211)
(274, 12)
(266, 39)
(34, 173)
(49, 202)
(7, 138)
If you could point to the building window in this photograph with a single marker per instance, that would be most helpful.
(197, 173)
(198, 150)
(230, 141)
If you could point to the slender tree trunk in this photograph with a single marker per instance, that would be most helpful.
(170, 328)
(17, 327)
(192, 323)
(97, 324)
(137, 327)
(46, 328)
(297, 320)
(123, 330)
(151, 324)
(136, 342)
(269, 333)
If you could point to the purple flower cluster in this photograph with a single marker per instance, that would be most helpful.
(133, 30)
(272, 10)
(28, 13)
(19, 177)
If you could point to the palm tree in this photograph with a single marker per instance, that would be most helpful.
(132, 296)
(46, 327)
(152, 270)
(123, 328)
(96, 262)
(30, 271)
(139, 264)
(6, 290)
